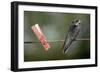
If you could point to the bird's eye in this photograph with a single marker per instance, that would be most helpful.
(76, 20)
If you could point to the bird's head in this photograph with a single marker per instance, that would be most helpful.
(77, 22)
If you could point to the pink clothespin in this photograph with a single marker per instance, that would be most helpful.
(36, 29)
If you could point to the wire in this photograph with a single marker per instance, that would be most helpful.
(53, 41)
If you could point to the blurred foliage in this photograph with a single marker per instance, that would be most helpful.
(55, 26)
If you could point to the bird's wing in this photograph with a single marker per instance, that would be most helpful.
(71, 36)
(76, 33)
(67, 36)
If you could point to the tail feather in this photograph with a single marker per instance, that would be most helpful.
(67, 46)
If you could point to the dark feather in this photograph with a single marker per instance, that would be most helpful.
(71, 36)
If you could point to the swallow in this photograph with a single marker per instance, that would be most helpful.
(72, 33)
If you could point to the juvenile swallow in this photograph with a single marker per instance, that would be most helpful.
(73, 32)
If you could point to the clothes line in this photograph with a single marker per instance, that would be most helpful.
(54, 41)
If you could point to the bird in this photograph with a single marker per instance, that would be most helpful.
(73, 32)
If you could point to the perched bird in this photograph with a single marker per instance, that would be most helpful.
(73, 32)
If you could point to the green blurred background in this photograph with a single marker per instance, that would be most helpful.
(55, 26)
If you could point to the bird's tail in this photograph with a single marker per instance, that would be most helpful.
(67, 46)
